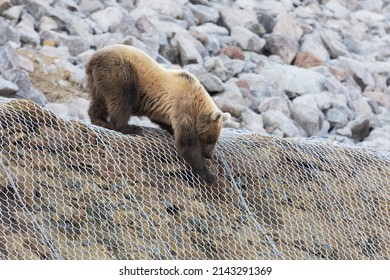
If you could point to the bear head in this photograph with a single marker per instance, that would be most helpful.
(209, 128)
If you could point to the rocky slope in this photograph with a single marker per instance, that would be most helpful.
(288, 68)
(72, 191)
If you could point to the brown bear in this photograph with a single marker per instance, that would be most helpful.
(124, 81)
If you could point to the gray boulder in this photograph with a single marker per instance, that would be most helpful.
(276, 120)
(285, 47)
(7, 89)
(247, 40)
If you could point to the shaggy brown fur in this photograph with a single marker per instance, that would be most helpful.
(124, 81)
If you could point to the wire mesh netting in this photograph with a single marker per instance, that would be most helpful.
(70, 190)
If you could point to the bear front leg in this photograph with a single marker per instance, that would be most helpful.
(189, 148)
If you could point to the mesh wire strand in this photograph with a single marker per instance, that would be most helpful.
(70, 190)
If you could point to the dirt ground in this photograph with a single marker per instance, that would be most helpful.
(56, 85)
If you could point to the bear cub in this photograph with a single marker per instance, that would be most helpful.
(124, 81)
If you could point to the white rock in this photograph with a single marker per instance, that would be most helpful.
(108, 19)
(253, 121)
(187, 50)
(172, 8)
(337, 8)
(293, 79)
(205, 14)
(235, 17)
(75, 107)
(13, 13)
(313, 43)
(47, 23)
(247, 40)
(274, 119)
(287, 25)
(368, 16)
(7, 88)
(309, 117)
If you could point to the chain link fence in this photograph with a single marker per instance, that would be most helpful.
(70, 190)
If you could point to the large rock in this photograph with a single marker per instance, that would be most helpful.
(361, 74)
(247, 40)
(25, 88)
(333, 44)
(274, 119)
(309, 117)
(235, 17)
(171, 8)
(287, 25)
(291, 79)
(211, 82)
(313, 43)
(379, 138)
(285, 47)
(7, 89)
(75, 44)
(108, 19)
(205, 14)
(187, 49)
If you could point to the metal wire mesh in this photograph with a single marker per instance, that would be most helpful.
(70, 190)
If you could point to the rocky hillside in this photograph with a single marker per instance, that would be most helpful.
(288, 68)
(72, 191)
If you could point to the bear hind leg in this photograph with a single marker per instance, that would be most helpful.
(97, 111)
(120, 113)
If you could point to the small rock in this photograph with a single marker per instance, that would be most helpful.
(75, 44)
(187, 50)
(171, 8)
(379, 138)
(360, 73)
(362, 107)
(233, 52)
(368, 16)
(274, 119)
(260, 87)
(275, 103)
(26, 89)
(216, 66)
(205, 14)
(229, 106)
(4, 5)
(90, 6)
(209, 28)
(286, 25)
(7, 89)
(360, 127)
(285, 47)
(253, 121)
(267, 21)
(336, 118)
(108, 19)
(310, 118)
(292, 79)
(211, 82)
(337, 9)
(13, 13)
(307, 60)
(232, 18)
(380, 98)
(333, 44)
(47, 23)
(313, 43)
(75, 107)
(246, 39)
(233, 66)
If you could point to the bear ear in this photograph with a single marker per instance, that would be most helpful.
(216, 115)
(225, 116)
